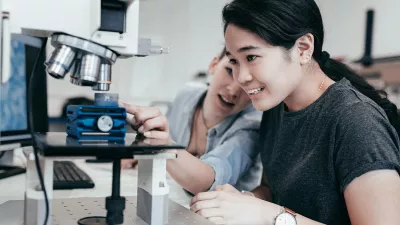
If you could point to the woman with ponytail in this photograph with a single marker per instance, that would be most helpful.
(328, 139)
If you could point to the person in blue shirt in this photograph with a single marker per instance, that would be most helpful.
(218, 125)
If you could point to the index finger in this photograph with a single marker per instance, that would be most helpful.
(204, 196)
(131, 109)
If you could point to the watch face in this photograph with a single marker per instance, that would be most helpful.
(285, 219)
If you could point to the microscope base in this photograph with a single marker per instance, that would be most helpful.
(69, 211)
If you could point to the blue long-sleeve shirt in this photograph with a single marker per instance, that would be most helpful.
(231, 144)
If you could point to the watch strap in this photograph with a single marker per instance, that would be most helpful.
(291, 212)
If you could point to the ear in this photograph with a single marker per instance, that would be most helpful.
(213, 64)
(305, 46)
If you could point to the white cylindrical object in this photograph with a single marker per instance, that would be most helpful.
(6, 48)
(104, 81)
(90, 68)
(60, 61)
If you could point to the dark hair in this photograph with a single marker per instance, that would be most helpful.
(282, 22)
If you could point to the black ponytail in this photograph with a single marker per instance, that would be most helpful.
(282, 22)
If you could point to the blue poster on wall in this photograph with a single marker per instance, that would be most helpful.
(13, 107)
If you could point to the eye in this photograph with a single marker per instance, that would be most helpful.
(232, 61)
(228, 70)
(251, 57)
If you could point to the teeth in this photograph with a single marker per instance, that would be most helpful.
(226, 100)
(255, 91)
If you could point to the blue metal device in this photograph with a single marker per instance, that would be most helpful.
(103, 121)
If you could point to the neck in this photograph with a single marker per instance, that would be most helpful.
(210, 119)
(313, 85)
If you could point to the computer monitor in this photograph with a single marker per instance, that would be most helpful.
(14, 114)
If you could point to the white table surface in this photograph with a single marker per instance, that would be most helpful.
(13, 188)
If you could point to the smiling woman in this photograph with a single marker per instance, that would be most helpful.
(328, 140)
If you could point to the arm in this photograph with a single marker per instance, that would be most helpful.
(371, 199)
(223, 207)
(374, 198)
(191, 173)
(224, 164)
(186, 169)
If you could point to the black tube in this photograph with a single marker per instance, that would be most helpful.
(115, 204)
(116, 179)
(367, 58)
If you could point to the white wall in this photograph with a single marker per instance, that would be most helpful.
(345, 27)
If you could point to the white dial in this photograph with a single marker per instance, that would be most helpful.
(285, 219)
(105, 123)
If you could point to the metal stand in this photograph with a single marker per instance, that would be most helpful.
(152, 199)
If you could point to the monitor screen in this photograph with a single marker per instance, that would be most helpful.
(14, 126)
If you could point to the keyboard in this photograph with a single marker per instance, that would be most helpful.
(67, 175)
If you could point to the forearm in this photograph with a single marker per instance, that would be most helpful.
(191, 173)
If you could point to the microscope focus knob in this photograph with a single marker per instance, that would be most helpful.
(105, 123)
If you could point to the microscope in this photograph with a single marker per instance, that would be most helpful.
(88, 37)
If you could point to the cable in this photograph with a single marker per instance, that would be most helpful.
(32, 131)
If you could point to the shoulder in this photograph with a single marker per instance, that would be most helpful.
(352, 108)
(362, 123)
(346, 104)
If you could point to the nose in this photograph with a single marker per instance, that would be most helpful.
(244, 75)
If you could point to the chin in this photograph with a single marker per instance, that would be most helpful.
(263, 105)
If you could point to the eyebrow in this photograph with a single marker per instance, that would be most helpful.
(244, 49)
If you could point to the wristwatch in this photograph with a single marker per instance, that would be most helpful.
(286, 217)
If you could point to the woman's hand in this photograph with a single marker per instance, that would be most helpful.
(227, 207)
(148, 121)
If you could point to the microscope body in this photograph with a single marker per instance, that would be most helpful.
(88, 37)
(113, 24)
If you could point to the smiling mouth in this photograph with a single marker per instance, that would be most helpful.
(255, 91)
(226, 101)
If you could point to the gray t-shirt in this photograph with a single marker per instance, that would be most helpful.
(311, 155)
